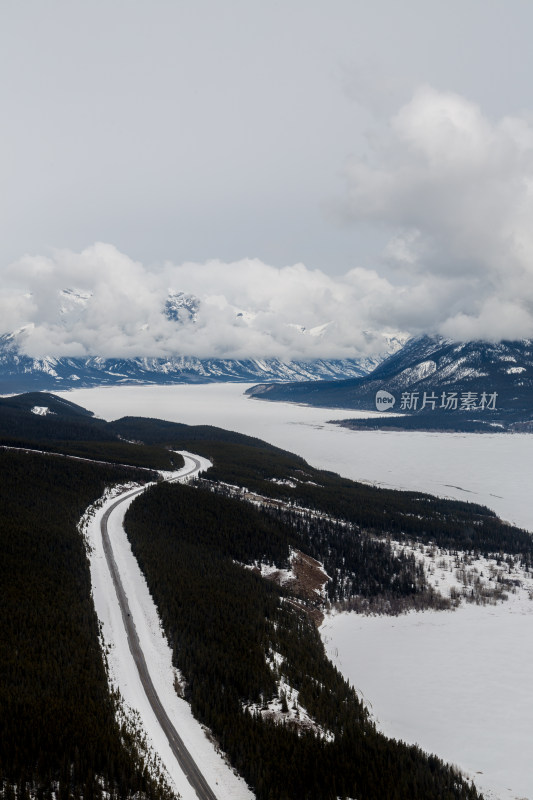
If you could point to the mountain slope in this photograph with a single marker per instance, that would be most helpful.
(434, 377)
(19, 372)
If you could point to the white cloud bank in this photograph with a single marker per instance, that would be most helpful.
(458, 191)
(454, 189)
(115, 308)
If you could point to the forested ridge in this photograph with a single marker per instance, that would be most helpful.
(68, 428)
(225, 623)
(58, 727)
(228, 627)
(381, 512)
(246, 461)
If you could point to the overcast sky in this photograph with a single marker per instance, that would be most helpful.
(388, 140)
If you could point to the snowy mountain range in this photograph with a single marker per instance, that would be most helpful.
(22, 372)
(435, 377)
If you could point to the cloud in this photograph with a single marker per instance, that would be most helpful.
(453, 189)
(101, 302)
(456, 191)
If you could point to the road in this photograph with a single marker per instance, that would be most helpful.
(184, 758)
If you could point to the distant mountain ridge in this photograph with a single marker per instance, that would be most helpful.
(435, 377)
(20, 372)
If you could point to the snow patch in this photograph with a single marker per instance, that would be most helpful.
(460, 576)
(285, 708)
(41, 411)
(417, 373)
(283, 482)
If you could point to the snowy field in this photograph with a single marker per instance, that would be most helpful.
(457, 683)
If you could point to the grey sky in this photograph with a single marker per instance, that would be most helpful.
(190, 130)
(396, 136)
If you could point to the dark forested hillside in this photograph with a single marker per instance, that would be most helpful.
(236, 637)
(68, 428)
(448, 523)
(227, 626)
(58, 730)
(271, 472)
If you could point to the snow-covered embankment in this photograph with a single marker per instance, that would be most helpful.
(123, 674)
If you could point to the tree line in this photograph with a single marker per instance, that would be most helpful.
(225, 623)
(59, 734)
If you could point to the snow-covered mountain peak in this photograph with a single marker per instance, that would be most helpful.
(73, 300)
(436, 377)
(316, 331)
(182, 307)
(69, 330)
(319, 330)
(75, 295)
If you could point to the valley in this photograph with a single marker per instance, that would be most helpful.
(266, 401)
(492, 469)
(237, 461)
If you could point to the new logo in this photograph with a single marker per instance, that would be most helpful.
(384, 400)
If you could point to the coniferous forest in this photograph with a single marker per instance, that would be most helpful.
(58, 727)
(224, 623)
(236, 637)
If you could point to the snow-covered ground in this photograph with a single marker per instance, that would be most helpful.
(457, 575)
(123, 672)
(458, 683)
(454, 682)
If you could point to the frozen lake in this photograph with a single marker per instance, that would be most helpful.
(457, 683)
(493, 469)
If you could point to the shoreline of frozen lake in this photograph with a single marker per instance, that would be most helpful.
(456, 683)
(491, 469)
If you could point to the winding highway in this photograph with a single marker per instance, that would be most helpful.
(184, 758)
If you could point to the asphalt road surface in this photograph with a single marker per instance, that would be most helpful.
(184, 758)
